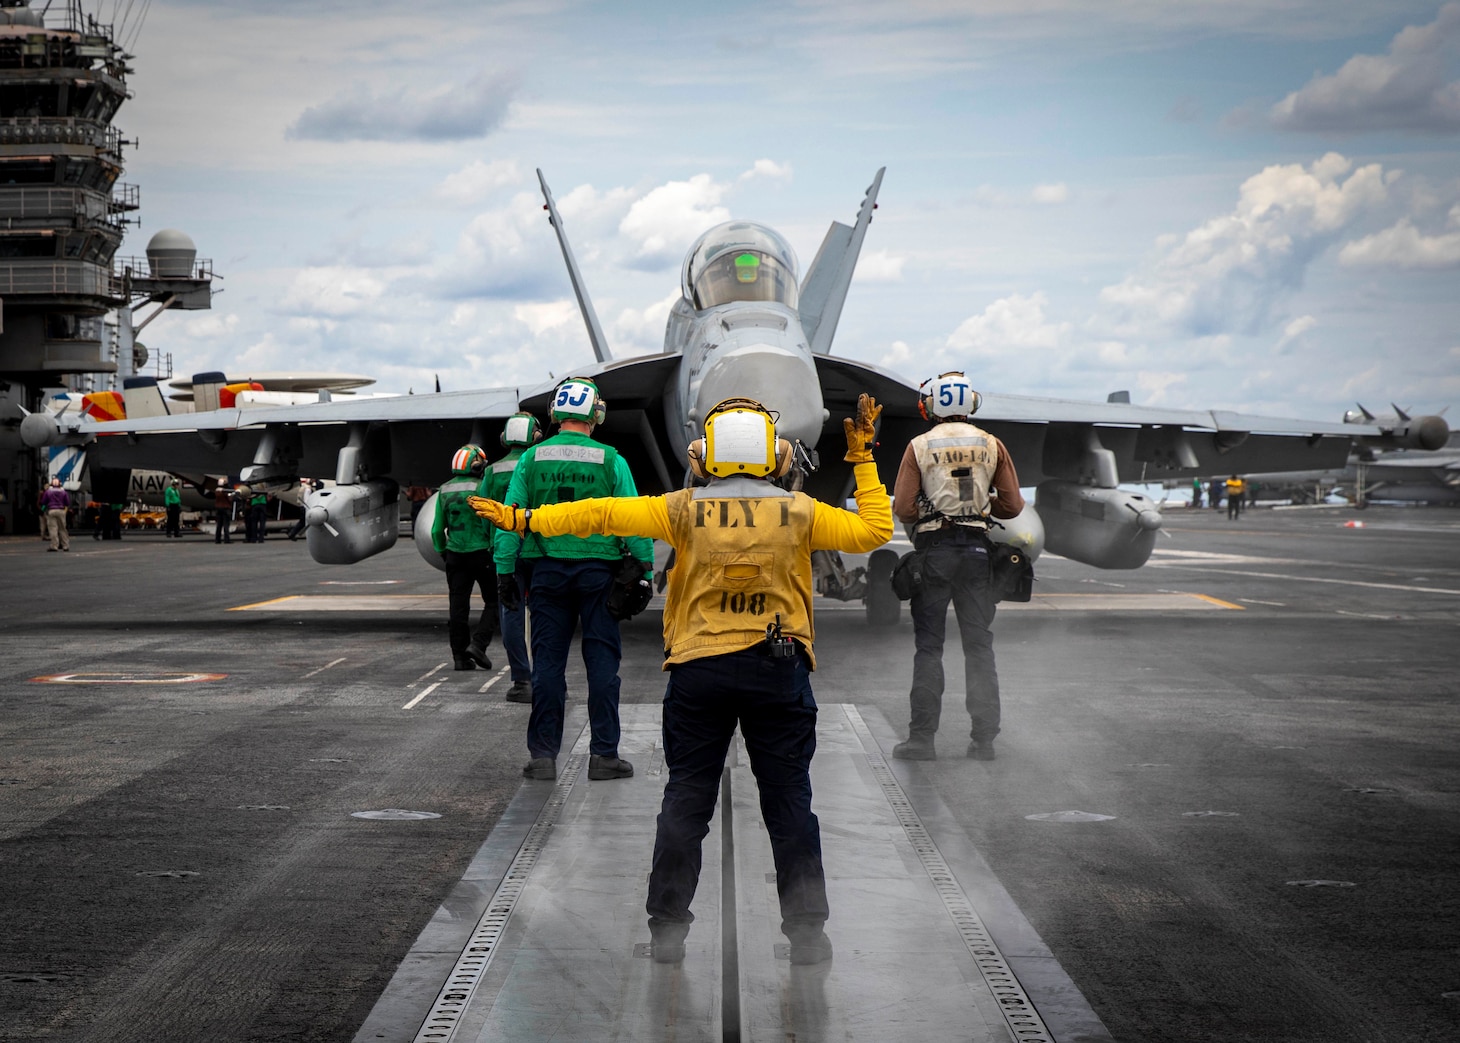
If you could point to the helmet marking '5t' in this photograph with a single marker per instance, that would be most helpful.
(948, 396)
(740, 438)
(577, 398)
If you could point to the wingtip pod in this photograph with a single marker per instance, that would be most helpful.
(38, 430)
(1429, 432)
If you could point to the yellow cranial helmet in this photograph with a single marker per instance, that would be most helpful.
(740, 438)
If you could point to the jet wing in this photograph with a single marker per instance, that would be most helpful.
(412, 435)
(1050, 437)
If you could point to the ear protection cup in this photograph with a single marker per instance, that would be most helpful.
(784, 458)
(696, 456)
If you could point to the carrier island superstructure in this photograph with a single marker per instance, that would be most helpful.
(66, 298)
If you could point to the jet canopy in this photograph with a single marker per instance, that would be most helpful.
(740, 261)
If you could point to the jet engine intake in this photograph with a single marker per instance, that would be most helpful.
(1106, 528)
(348, 523)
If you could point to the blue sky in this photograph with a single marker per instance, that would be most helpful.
(1225, 204)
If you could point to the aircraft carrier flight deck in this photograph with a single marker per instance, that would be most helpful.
(243, 796)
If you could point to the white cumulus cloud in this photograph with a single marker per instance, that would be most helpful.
(477, 181)
(768, 168)
(666, 220)
(879, 266)
(1010, 322)
(1404, 246)
(1406, 88)
(1228, 274)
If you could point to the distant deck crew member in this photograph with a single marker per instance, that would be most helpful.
(223, 501)
(172, 501)
(55, 502)
(521, 431)
(464, 540)
(569, 579)
(257, 516)
(1236, 493)
(738, 639)
(953, 479)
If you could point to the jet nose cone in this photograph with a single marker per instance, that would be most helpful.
(316, 516)
(781, 379)
(1148, 521)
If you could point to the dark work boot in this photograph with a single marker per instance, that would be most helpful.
(668, 941)
(917, 748)
(462, 662)
(981, 749)
(809, 943)
(520, 692)
(478, 654)
(542, 768)
(600, 768)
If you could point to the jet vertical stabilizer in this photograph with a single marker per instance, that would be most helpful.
(590, 317)
(824, 290)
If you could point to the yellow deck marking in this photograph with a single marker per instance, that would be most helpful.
(349, 603)
(125, 678)
(1175, 602)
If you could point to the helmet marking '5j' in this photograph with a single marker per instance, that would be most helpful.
(469, 459)
(577, 398)
(740, 438)
(521, 429)
(948, 396)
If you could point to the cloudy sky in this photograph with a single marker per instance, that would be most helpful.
(1246, 204)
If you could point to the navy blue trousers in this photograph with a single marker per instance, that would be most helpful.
(563, 594)
(513, 622)
(771, 701)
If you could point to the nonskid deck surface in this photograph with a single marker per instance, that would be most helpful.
(545, 936)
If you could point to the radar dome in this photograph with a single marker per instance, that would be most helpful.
(170, 254)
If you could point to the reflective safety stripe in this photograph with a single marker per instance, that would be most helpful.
(938, 443)
(504, 467)
(585, 454)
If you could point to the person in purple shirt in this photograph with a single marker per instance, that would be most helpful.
(56, 501)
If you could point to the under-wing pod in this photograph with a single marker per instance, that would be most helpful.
(421, 533)
(1025, 531)
(1106, 528)
(348, 523)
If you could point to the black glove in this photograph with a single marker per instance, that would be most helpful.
(508, 595)
(631, 590)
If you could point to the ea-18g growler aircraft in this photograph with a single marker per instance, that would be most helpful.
(746, 324)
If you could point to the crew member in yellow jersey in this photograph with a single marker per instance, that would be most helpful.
(738, 641)
(1236, 493)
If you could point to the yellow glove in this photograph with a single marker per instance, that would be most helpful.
(862, 431)
(502, 515)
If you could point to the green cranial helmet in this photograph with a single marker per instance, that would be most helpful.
(469, 459)
(577, 398)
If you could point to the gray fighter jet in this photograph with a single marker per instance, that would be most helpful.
(746, 324)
